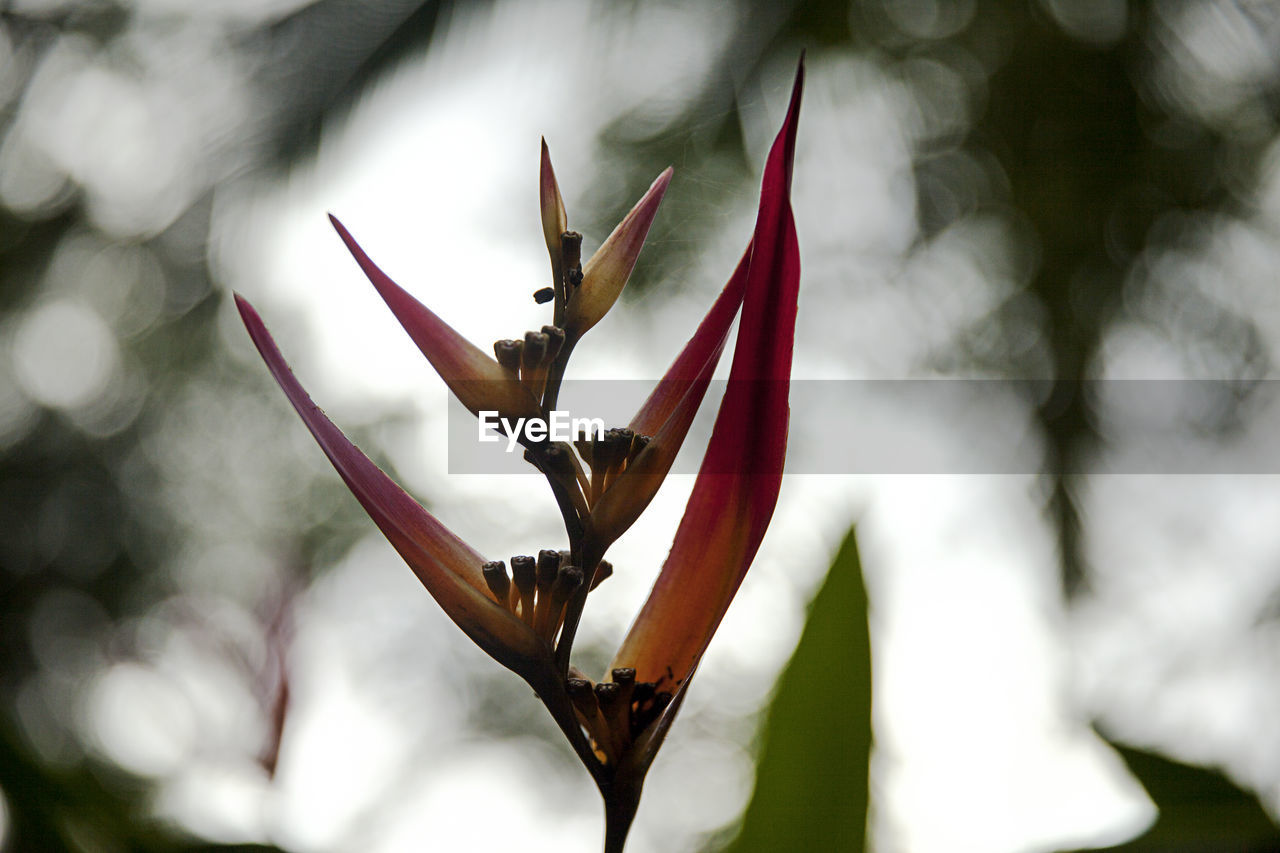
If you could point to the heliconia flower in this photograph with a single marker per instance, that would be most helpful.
(617, 725)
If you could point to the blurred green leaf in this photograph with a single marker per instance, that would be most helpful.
(811, 781)
(1201, 811)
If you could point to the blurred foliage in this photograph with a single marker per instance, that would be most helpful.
(811, 789)
(100, 810)
(93, 521)
(1199, 810)
(1075, 143)
(1093, 157)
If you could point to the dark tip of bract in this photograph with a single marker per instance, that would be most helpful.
(544, 295)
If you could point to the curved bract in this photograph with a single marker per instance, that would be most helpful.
(449, 568)
(737, 486)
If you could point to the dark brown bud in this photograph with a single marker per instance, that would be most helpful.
(568, 580)
(544, 295)
(535, 350)
(605, 452)
(625, 678)
(583, 695)
(608, 694)
(644, 692)
(623, 439)
(555, 340)
(495, 575)
(524, 573)
(577, 687)
(508, 353)
(548, 566)
(571, 250)
(557, 459)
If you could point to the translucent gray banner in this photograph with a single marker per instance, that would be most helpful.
(950, 426)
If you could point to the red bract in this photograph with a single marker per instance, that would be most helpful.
(527, 620)
(448, 567)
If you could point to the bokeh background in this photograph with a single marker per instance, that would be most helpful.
(205, 645)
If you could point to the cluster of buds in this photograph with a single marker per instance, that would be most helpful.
(526, 618)
(530, 359)
(538, 590)
(608, 457)
(614, 712)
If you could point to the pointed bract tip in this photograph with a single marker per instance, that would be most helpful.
(547, 174)
(352, 246)
(607, 271)
(554, 219)
(479, 382)
(787, 134)
(797, 88)
(340, 228)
